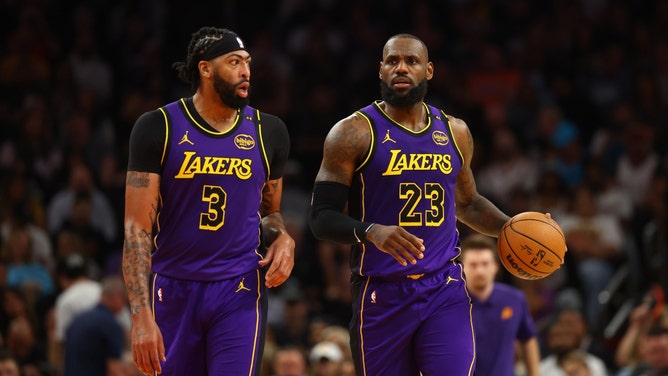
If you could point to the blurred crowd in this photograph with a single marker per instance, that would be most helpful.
(567, 101)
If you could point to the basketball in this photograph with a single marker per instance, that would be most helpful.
(531, 245)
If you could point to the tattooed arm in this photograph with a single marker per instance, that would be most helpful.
(280, 245)
(141, 208)
(473, 209)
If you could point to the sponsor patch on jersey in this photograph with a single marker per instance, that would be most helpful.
(440, 138)
(244, 141)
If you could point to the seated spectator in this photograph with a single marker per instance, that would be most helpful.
(79, 293)
(654, 347)
(60, 207)
(575, 364)
(23, 343)
(561, 340)
(595, 241)
(325, 359)
(8, 364)
(289, 361)
(22, 271)
(509, 168)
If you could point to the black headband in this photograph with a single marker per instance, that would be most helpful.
(228, 43)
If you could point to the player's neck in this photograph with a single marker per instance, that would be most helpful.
(413, 117)
(216, 114)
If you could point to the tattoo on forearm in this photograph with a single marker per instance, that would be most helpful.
(137, 267)
(137, 179)
(137, 248)
(268, 193)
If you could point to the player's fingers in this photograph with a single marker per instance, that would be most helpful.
(395, 251)
(278, 272)
(408, 255)
(269, 277)
(155, 362)
(414, 246)
(161, 349)
(158, 356)
(142, 363)
(267, 258)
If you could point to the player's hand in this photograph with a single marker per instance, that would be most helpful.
(148, 348)
(281, 258)
(397, 242)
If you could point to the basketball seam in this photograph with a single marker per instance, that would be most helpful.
(536, 240)
(536, 273)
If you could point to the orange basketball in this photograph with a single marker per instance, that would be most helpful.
(531, 245)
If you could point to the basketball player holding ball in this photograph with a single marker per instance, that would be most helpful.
(403, 169)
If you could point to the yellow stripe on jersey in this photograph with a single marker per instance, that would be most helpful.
(454, 139)
(373, 142)
(263, 151)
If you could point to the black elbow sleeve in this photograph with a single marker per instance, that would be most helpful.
(327, 220)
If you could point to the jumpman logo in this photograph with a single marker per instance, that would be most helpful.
(388, 138)
(450, 279)
(241, 286)
(185, 139)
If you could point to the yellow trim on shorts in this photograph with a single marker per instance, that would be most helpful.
(257, 322)
(363, 360)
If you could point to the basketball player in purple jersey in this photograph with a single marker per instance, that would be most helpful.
(403, 169)
(204, 177)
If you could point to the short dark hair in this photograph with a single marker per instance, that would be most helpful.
(477, 241)
(409, 36)
(200, 42)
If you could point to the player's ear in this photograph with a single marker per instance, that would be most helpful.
(430, 70)
(204, 68)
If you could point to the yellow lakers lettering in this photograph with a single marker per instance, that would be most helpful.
(400, 162)
(195, 164)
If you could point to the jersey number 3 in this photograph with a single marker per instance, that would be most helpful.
(214, 218)
(413, 194)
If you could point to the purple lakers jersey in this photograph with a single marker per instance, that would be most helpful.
(210, 230)
(408, 179)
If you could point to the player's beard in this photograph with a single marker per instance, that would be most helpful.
(228, 92)
(407, 99)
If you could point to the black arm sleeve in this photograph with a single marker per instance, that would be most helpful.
(147, 141)
(327, 219)
(277, 144)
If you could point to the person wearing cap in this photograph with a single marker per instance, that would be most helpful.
(204, 237)
(79, 293)
(325, 359)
